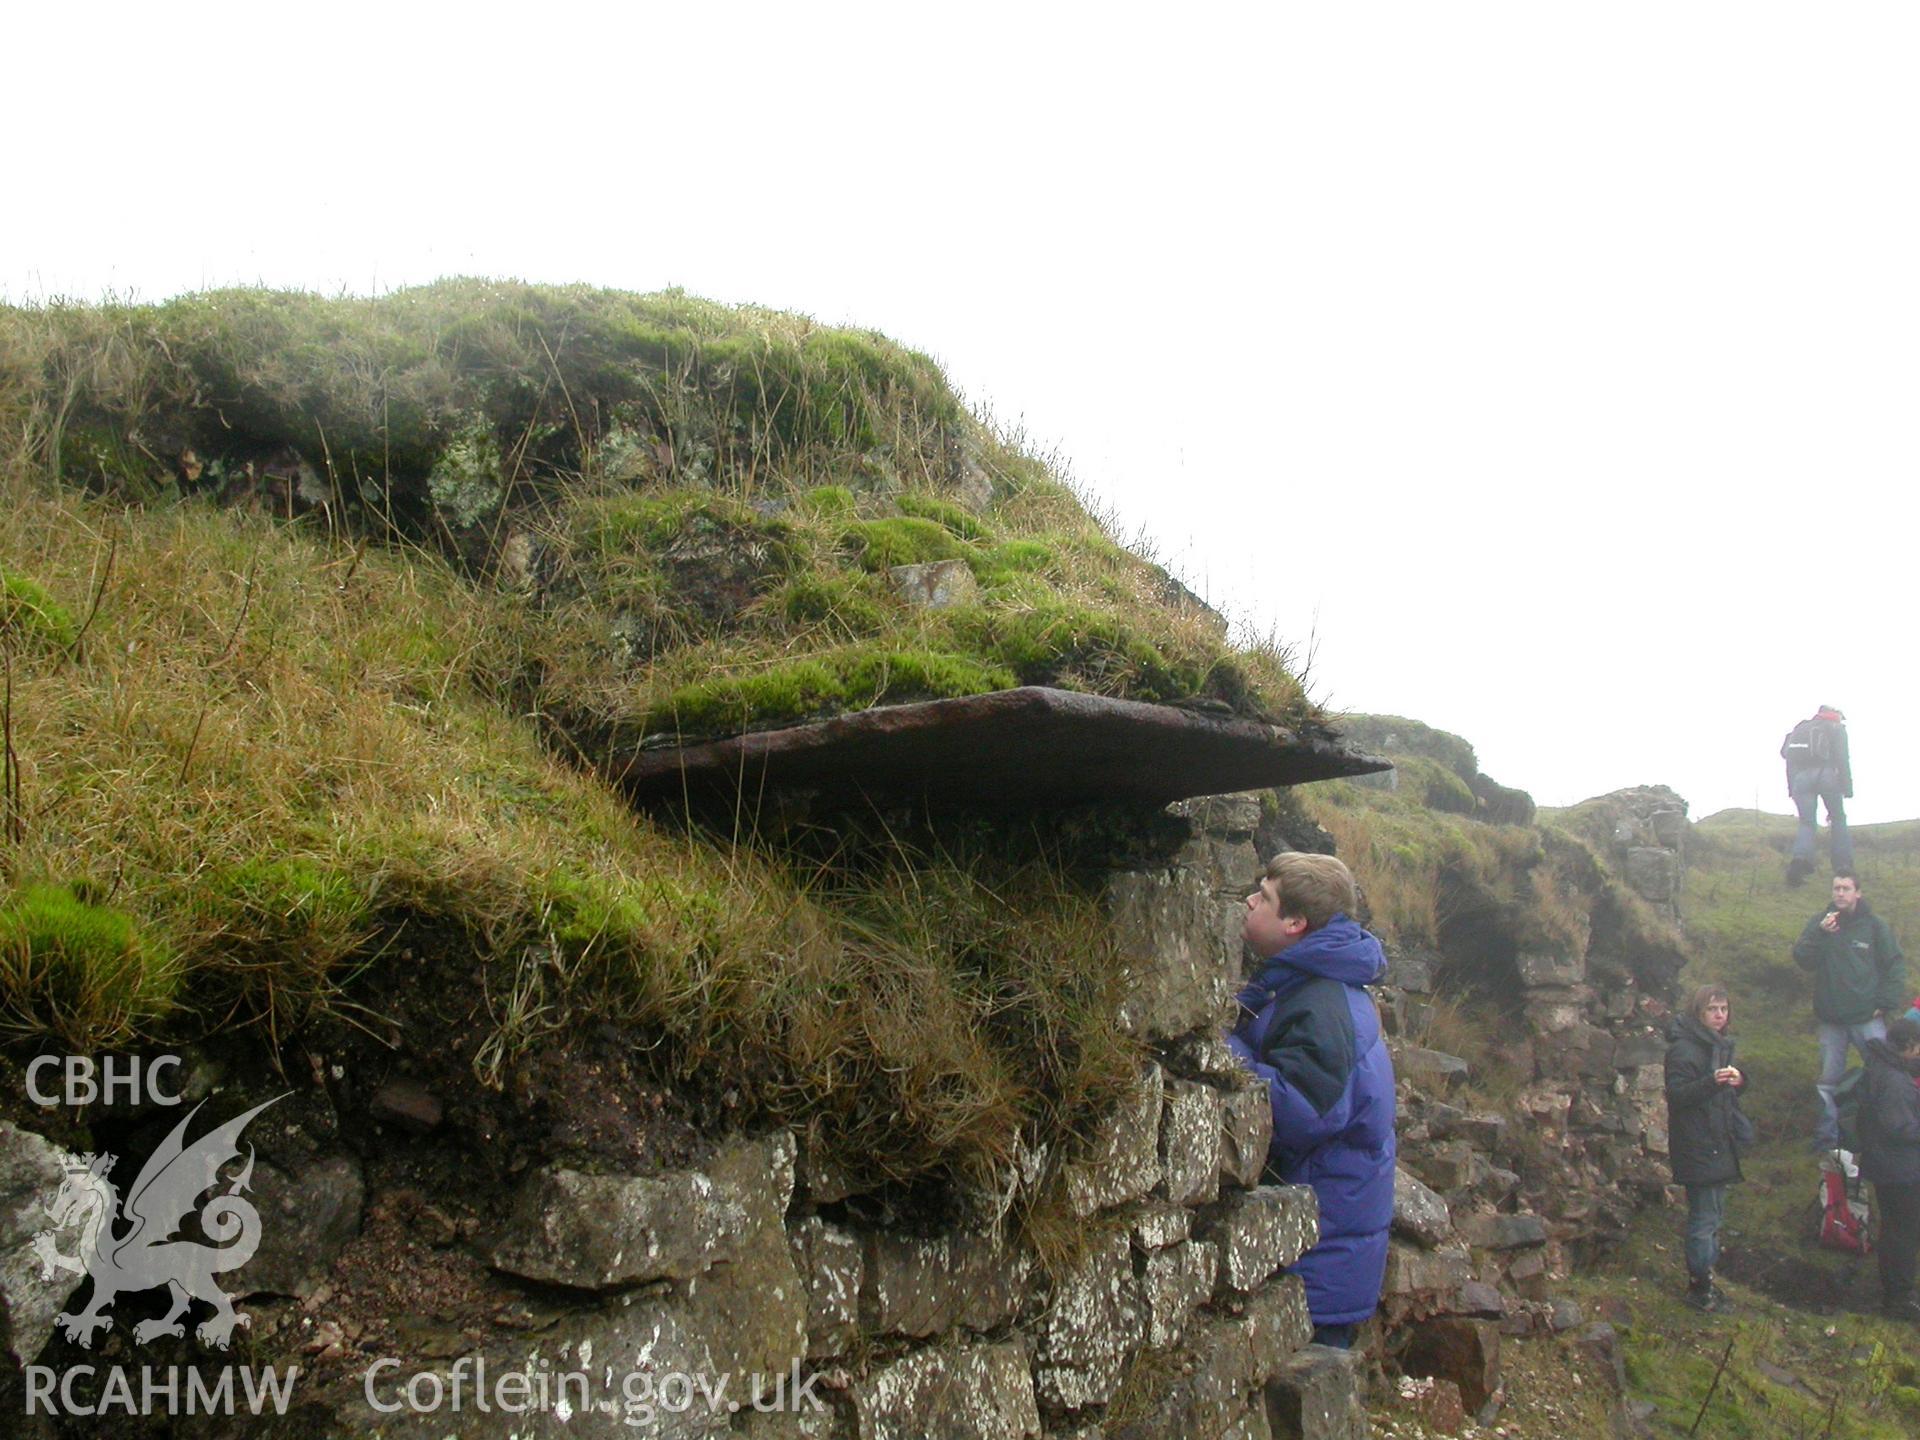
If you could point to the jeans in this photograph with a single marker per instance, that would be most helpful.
(1833, 1064)
(1338, 1337)
(1706, 1208)
(1899, 1207)
(1808, 788)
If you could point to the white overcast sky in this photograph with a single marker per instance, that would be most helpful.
(1552, 366)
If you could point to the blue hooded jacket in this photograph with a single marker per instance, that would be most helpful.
(1312, 1033)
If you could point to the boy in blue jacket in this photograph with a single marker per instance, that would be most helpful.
(1309, 1029)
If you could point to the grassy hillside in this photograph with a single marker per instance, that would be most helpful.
(1809, 1356)
(306, 607)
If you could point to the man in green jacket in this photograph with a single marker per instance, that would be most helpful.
(1859, 979)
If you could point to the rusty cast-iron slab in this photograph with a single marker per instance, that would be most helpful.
(1010, 748)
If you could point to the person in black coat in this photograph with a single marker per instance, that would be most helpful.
(1706, 1130)
(1890, 1158)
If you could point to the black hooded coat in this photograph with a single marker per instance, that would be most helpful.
(1889, 1119)
(1706, 1129)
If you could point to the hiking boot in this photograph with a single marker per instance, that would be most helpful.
(1907, 1309)
(1798, 870)
(1717, 1301)
(1700, 1293)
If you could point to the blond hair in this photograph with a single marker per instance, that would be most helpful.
(1313, 888)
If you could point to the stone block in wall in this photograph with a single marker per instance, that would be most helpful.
(1467, 1352)
(831, 1263)
(1546, 1105)
(1479, 1300)
(979, 1392)
(1446, 1166)
(1551, 1010)
(1431, 1070)
(597, 1232)
(1229, 1359)
(1654, 873)
(1646, 1080)
(1180, 942)
(1123, 1161)
(1492, 1183)
(1540, 967)
(1173, 1283)
(1156, 1224)
(922, 1286)
(1501, 1232)
(1654, 1138)
(1421, 1281)
(1318, 1394)
(1235, 816)
(1190, 1143)
(1096, 1317)
(1484, 1130)
(1618, 999)
(1396, 1009)
(1260, 1230)
(1577, 1049)
(746, 1316)
(1637, 1048)
(1205, 1055)
(1530, 1274)
(1246, 1130)
(1233, 866)
(1418, 1213)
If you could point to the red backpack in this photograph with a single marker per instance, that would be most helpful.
(1843, 1214)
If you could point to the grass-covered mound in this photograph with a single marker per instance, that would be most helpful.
(698, 507)
(310, 607)
(268, 782)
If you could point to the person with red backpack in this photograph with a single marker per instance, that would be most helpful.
(1890, 1158)
(1819, 770)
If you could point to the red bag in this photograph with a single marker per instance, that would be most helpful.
(1843, 1217)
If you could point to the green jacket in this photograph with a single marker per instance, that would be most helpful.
(1856, 970)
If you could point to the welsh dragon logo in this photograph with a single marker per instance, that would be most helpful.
(148, 1253)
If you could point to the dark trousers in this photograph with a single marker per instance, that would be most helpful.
(1899, 1238)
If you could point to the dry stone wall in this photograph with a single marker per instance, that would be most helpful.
(1492, 1209)
(1169, 1314)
